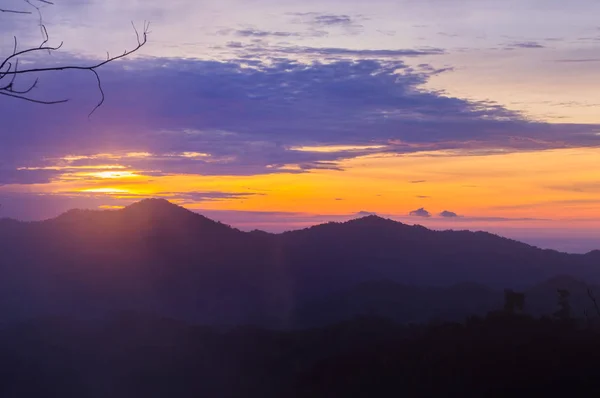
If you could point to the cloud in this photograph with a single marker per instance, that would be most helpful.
(423, 196)
(247, 117)
(578, 60)
(420, 213)
(592, 186)
(328, 20)
(448, 214)
(196, 197)
(264, 33)
(499, 219)
(445, 34)
(339, 52)
(525, 44)
(26, 177)
(331, 19)
(350, 24)
(418, 181)
(365, 213)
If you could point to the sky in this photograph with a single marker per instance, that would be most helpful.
(277, 115)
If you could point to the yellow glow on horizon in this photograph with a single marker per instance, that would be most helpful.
(194, 155)
(112, 174)
(554, 184)
(138, 155)
(105, 190)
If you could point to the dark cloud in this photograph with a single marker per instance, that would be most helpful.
(339, 52)
(578, 60)
(418, 181)
(26, 177)
(350, 24)
(365, 213)
(448, 214)
(434, 71)
(420, 213)
(423, 196)
(251, 117)
(526, 44)
(331, 19)
(264, 33)
(327, 19)
(360, 53)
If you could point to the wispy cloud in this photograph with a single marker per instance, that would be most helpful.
(525, 44)
(254, 49)
(590, 187)
(264, 33)
(350, 24)
(577, 60)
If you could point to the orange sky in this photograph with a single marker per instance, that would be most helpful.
(558, 186)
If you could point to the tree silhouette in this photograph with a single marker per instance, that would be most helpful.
(11, 72)
(513, 302)
(564, 306)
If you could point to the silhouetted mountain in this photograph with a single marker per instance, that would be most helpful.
(156, 256)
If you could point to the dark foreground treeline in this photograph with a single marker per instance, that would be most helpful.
(502, 354)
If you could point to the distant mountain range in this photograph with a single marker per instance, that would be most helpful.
(156, 256)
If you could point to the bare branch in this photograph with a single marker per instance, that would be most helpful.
(101, 92)
(8, 94)
(10, 70)
(71, 67)
(15, 11)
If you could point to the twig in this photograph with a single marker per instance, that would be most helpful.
(9, 67)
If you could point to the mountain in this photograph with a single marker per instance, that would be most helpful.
(156, 256)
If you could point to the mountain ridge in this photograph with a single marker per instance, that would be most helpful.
(154, 206)
(157, 255)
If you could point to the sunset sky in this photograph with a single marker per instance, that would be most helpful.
(279, 114)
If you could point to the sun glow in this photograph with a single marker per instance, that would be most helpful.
(113, 174)
(106, 191)
(559, 185)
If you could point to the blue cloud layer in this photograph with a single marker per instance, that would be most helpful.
(249, 116)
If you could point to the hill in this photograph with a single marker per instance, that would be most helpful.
(156, 256)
